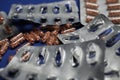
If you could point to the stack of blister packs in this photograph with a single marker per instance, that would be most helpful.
(100, 28)
(89, 53)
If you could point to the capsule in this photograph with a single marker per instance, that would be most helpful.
(91, 5)
(46, 36)
(91, 12)
(37, 37)
(29, 38)
(51, 40)
(16, 43)
(91, 1)
(88, 19)
(114, 14)
(115, 20)
(3, 41)
(113, 7)
(26, 56)
(16, 37)
(68, 30)
(4, 48)
(111, 1)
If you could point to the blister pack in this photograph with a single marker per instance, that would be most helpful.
(88, 32)
(46, 14)
(6, 30)
(90, 8)
(81, 61)
(112, 54)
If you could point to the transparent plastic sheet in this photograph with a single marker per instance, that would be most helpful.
(46, 13)
(81, 61)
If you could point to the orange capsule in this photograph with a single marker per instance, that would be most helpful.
(18, 42)
(16, 37)
(46, 36)
(4, 48)
(25, 57)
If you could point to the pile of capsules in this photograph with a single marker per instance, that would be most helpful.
(90, 8)
(35, 36)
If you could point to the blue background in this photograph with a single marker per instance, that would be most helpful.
(5, 5)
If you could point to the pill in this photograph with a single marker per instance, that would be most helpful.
(16, 37)
(68, 30)
(91, 5)
(91, 12)
(26, 56)
(114, 14)
(113, 7)
(17, 42)
(111, 1)
(91, 1)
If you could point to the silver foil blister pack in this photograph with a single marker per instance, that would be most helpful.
(112, 53)
(81, 61)
(88, 32)
(90, 8)
(6, 29)
(46, 13)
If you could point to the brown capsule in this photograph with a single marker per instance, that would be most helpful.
(68, 30)
(51, 40)
(114, 14)
(3, 41)
(17, 42)
(25, 57)
(115, 20)
(10, 58)
(29, 38)
(56, 41)
(91, 12)
(16, 37)
(88, 19)
(4, 48)
(55, 32)
(1, 19)
(91, 5)
(8, 29)
(113, 7)
(68, 25)
(37, 37)
(46, 36)
(91, 1)
(111, 1)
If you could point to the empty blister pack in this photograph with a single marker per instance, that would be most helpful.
(88, 32)
(6, 29)
(81, 61)
(47, 13)
(112, 54)
(90, 8)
